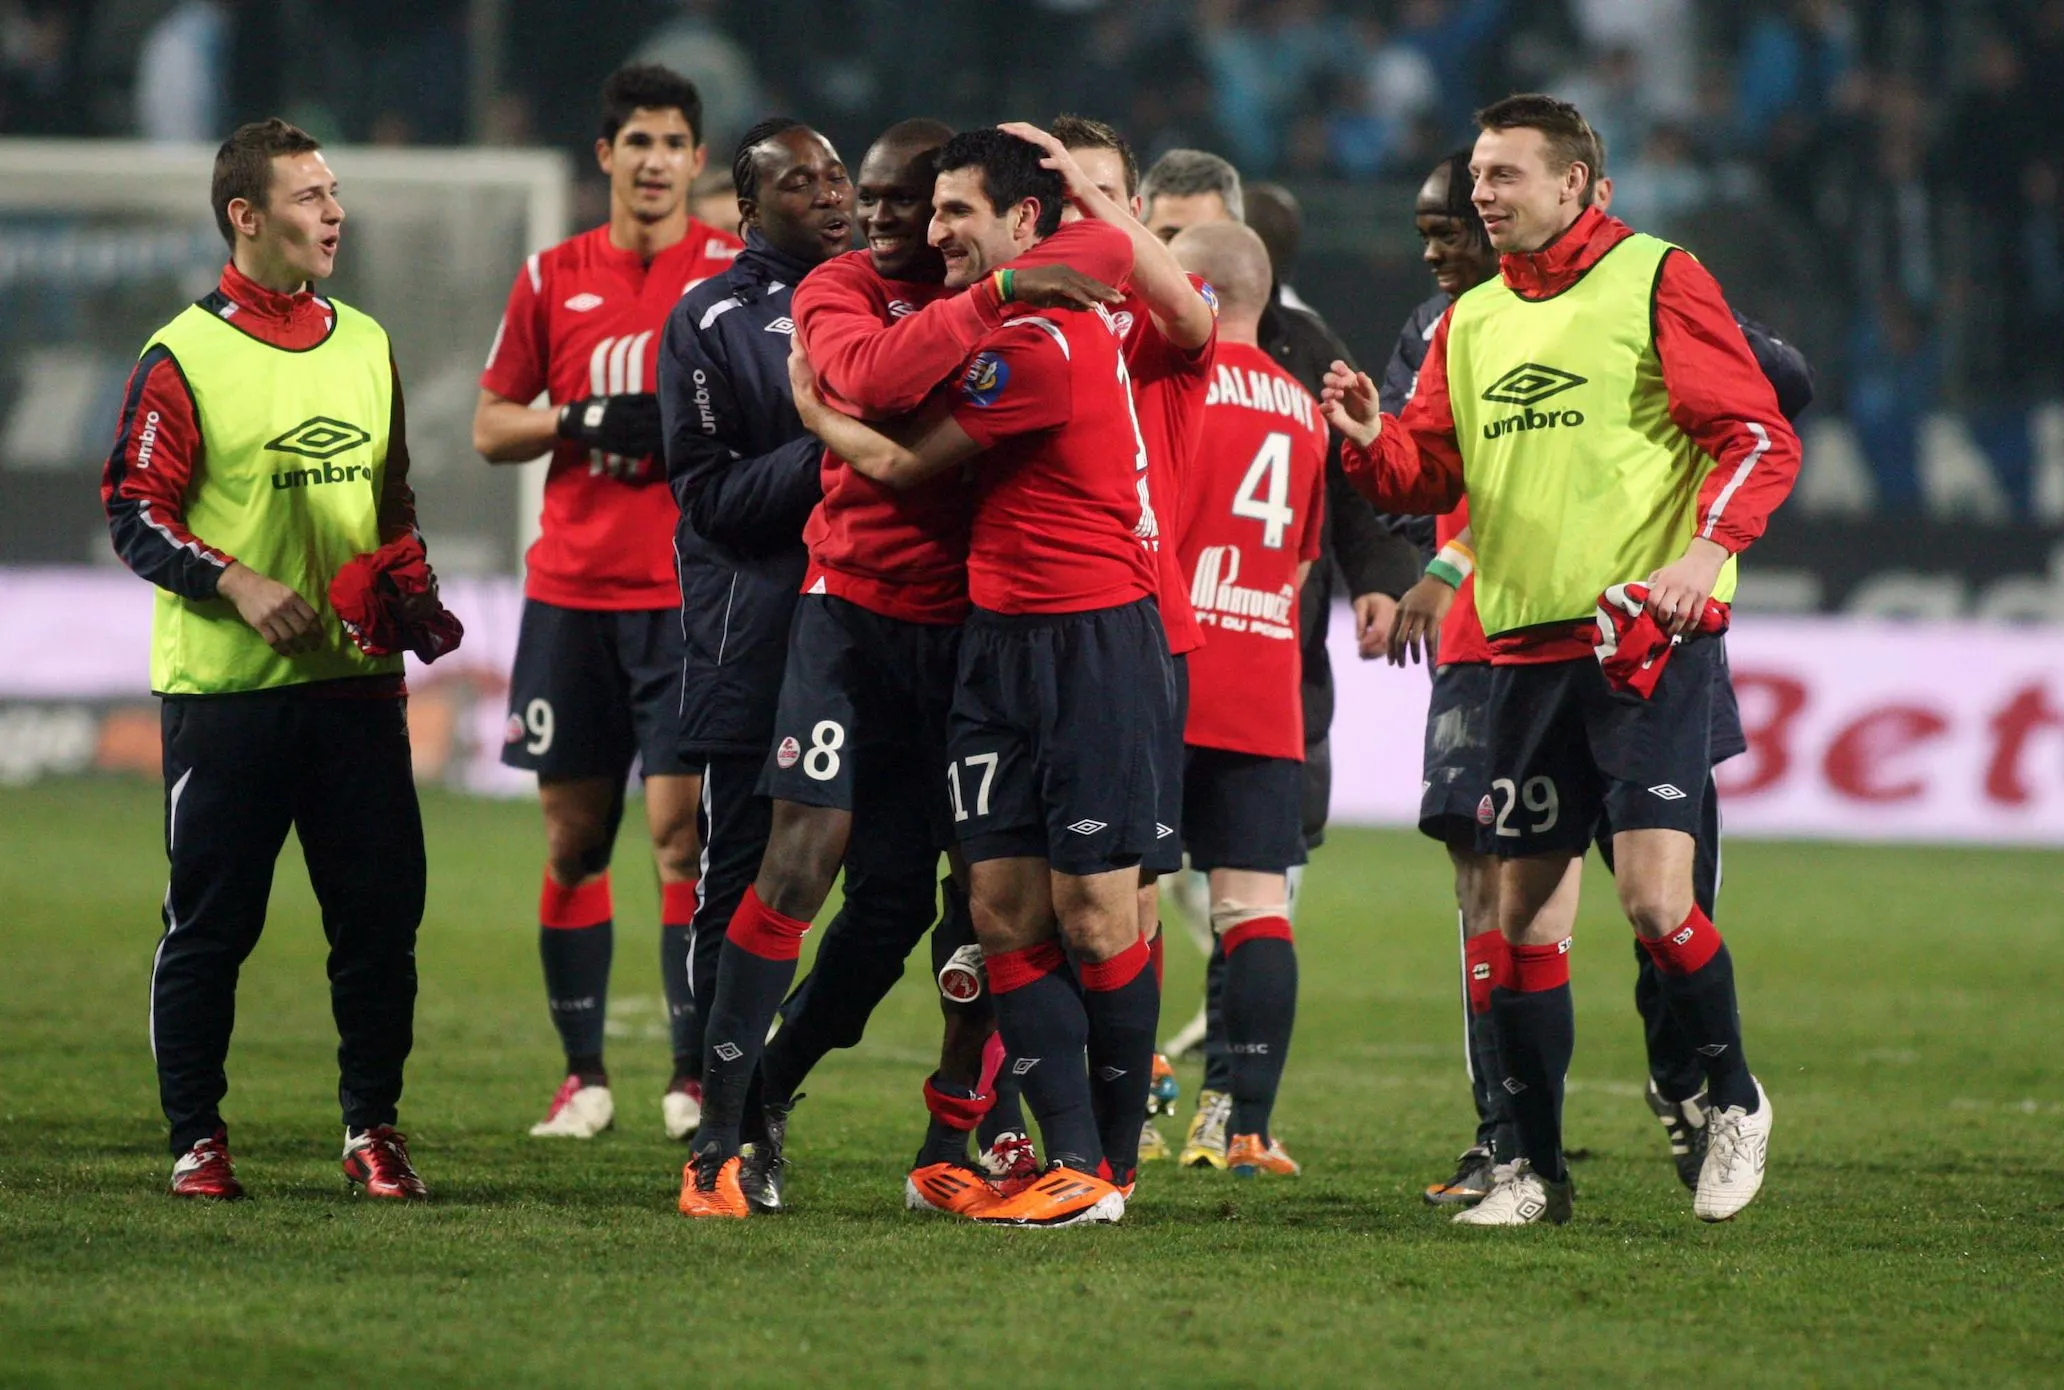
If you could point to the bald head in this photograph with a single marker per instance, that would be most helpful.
(1232, 258)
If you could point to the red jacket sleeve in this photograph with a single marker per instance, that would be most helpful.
(875, 371)
(397, 498)
(1720, 398)
(1415, 465)
(518, 364)
(143, 486)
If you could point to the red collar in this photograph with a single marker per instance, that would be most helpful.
(1559, 264)
(294, 321)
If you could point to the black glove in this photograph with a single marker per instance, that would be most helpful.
(624, 425)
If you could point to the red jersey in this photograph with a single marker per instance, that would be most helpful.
(584, 319)
(1062, 521)
(1168, 386)
(1462, 637)
(900, 554)
(1257, 493)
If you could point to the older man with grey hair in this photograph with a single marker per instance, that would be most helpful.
(1186, 187)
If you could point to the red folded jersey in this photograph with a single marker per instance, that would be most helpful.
(900, 554)
(372, 594)
(1168, 387)
(1257, 490)
(584, 319)
(1061, 517)
(1632, 646)
(1462, 637)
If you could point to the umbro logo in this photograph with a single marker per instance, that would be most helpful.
(1110, 1073)
(319, 437)
(1023, 1065)
(1089, 827)
(1530, 383)
(1162, 832)
(1712, 1049)
(784, 324)
(729, 1051)
(1513, 1085)
(1666, 791)
(901, 308)
(1530, 1208)
(581, 303)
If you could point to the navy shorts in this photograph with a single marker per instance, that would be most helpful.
(592, 690)
(1170, 765)
(860, 726)
(1566, 750)
(1058, 723)
(1243, 811)
(1455, 766)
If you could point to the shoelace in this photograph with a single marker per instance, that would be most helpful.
(1723, 1139)
(562, 1096)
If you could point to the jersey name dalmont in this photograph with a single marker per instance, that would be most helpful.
(1216, 594)
(1260, 391)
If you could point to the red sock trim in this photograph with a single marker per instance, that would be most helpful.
(677, 903)
(569, 909)
(1489, 964)
(956, 1112)
(992, 1064)
(1009, 970)
(1538, 968)
(1260, 929)
(1154, 957)
(1103, 976)
(1686, 950)
(758, 928)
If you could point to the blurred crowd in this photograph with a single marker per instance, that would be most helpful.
(1888, 157)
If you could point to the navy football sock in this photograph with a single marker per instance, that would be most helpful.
(576, 938)
(754, 971)
(1696, 973)
(1537, 1033)
(1123, 1005)
(1260, 1011)
(1218, 1074)
(1487, 961)
(677, 911)
(1673, 1063)
(1045, 1032)
(1006, 1115)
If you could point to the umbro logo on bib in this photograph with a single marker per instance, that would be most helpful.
(1530, 383)
(319, 437)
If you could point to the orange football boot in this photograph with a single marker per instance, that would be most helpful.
(723, 1197)
(952, 1188)
(1060, 1197)
(1247, 1155)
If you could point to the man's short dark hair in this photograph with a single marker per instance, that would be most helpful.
(1011, 172)
(1570, 137)
(745, 164)
(648, 87)
(243, 166)
(1082, 133)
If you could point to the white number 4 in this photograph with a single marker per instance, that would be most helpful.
(1272, 464)
(985, 761)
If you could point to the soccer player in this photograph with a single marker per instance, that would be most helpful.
(1648, 387)
(597, 679)
(1257, 497)
(261, 448)
(1170, 328)
(1064, 683)
(744, 472)
(1187, 188)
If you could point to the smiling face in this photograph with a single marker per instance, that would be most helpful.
(651, 163)
(972, 235)
(294, 237)
(804, 203)
(1525, 202)
(893, 201)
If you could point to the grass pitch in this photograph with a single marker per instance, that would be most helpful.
(1901, 1005)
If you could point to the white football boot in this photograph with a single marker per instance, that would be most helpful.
(1736, 1146)
(578, 1112)
(1519, 1197)
(680, 1110)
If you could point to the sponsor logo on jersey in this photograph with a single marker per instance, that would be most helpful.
(1528, 385)
(784, 324)
(1122, 321)
(148, 441)
(616, 367)
(984, 379)
(581, 303)
(1259, 389)
(319, 437)
(788, 754)
(1215, 591)
(1485, 811)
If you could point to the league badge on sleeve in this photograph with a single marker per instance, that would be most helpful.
(1210, 297)
(984, 379)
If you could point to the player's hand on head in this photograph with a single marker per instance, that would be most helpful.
(627, 426)
(1349, 402)
(1416, 629)
(1374, 614)
(274, 611)
(1060, 287)
(1057, 158)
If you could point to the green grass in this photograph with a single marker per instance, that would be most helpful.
(1901, 1005)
